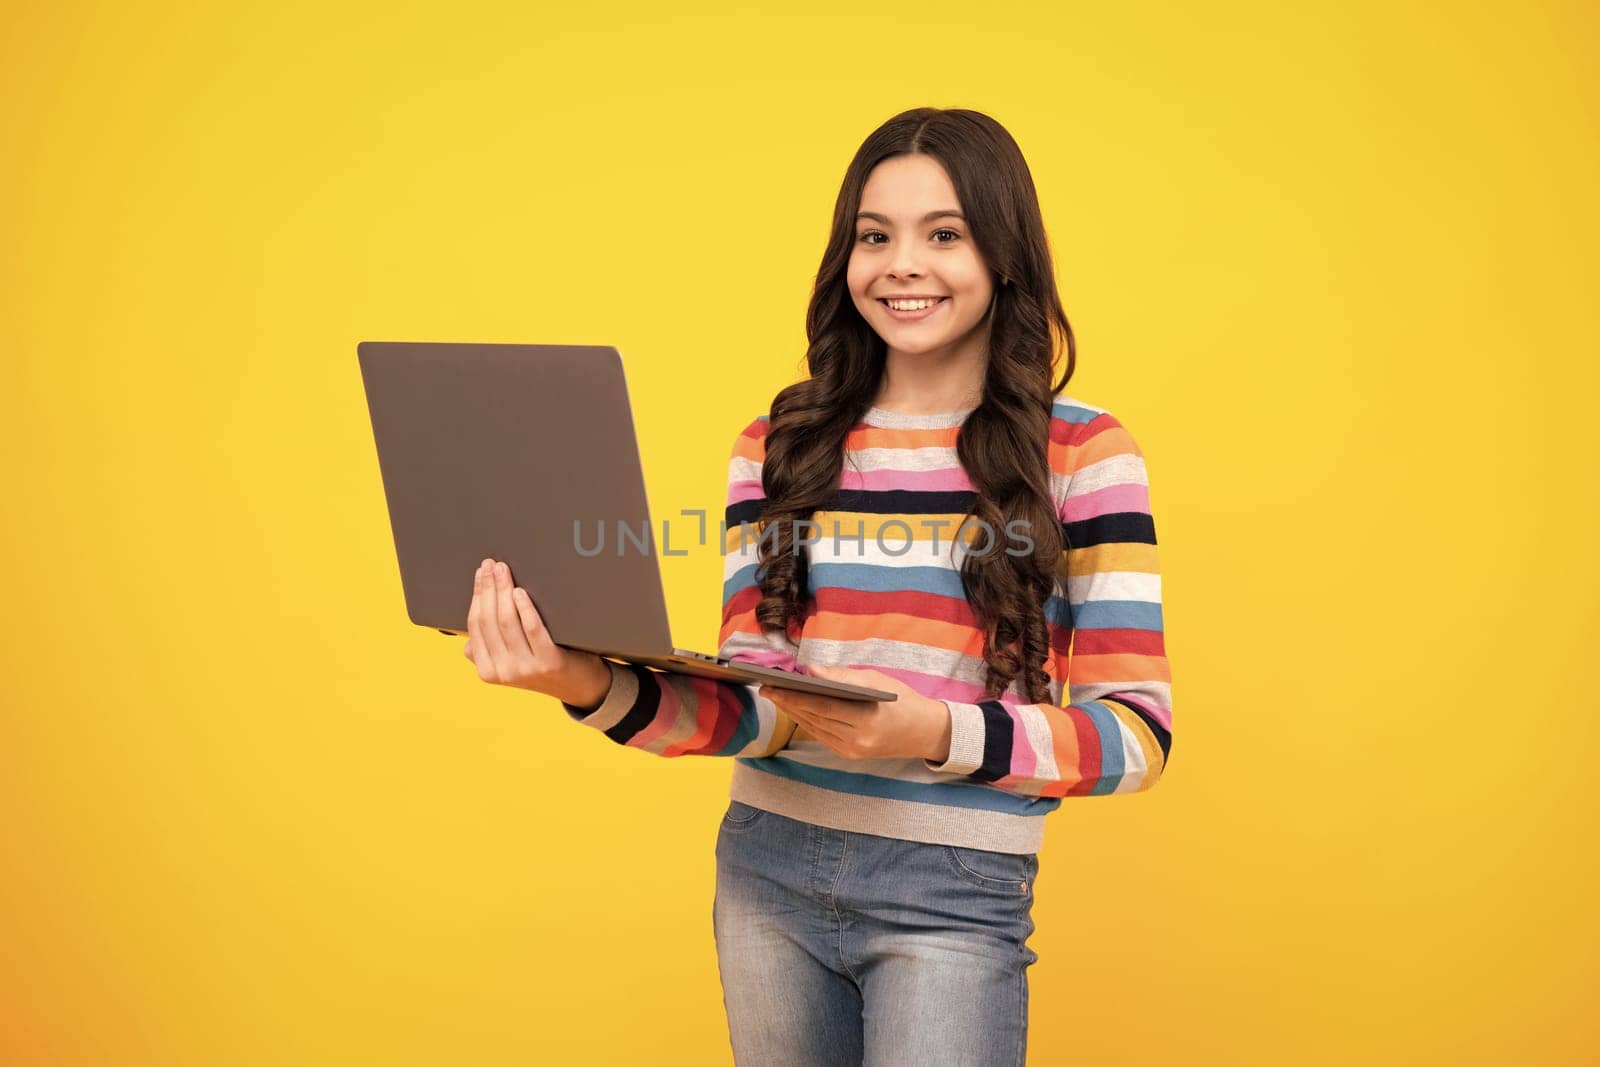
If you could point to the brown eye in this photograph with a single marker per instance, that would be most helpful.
(865, 238)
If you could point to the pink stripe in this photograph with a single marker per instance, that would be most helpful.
(740, 491)
(668, 708)
(1160, 715)
(950, 479)
(784, 661)
(1129, 496)
(1024, 760)
(935, 686)
(707, 707)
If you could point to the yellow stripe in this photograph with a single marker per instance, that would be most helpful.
(1116, 556)
(1141, 733)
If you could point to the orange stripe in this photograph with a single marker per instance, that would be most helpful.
(1112, 441)
(1061, 457)
(1064, 745)
(949, 636)
(1119, 666)
(884, 437)
(750, 448)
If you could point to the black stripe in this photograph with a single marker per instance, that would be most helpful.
(996, 742)
(1163, 738)
(1119, 526)
(644, 707)
(1122, 526)
(905, 501)
(578, 713)
(744, 511)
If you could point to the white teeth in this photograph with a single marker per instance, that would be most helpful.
(910, 305)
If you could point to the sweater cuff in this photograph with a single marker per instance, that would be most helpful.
(966, 740)
(783, 729)
(619, 699)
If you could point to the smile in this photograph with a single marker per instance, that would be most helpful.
(915, 309)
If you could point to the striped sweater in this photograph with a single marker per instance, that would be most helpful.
(885, 594)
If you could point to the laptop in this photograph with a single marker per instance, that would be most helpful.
(527, 454)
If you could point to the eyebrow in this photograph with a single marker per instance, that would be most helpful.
(929, 217)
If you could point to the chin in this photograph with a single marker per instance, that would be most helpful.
(913, 345)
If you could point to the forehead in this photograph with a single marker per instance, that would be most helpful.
(908, 186)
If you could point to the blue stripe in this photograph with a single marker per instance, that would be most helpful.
(879, 578)
(952, 794)
(739, 579)
(1111, 761)
(1073, 413)
(1118, 615)
(867, 578)
(749, 721)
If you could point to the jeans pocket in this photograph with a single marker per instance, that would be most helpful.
(1010, 872)
(741, 817)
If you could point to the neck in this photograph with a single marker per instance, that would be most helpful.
(932, 383)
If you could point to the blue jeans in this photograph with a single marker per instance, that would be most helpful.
(844, 948)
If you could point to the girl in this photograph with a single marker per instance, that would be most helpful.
(938, 519)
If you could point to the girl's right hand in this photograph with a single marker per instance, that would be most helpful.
(508, 643)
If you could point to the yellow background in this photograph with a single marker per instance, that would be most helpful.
(1334, 267)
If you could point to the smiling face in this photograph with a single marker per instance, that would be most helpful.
(911, 241)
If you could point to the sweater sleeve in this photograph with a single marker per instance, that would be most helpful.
(682, 715)
(1115, 733)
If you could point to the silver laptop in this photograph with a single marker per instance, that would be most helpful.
(527, 454)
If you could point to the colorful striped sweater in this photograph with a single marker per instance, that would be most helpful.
(891, 600)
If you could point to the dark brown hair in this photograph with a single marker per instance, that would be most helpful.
(1003, 445)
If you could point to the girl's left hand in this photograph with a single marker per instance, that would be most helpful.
(910, 727)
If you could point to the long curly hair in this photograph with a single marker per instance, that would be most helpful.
(1003, 444)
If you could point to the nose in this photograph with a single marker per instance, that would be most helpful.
(904, 262)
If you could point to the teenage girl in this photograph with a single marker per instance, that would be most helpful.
(936, 518)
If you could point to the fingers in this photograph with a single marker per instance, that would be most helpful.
(807, 707)
(509, 622)
(872, 679)
(848, 675)
(825, 730)
(474, 649)
(532, 624)
(837, 714)
(487, 636)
